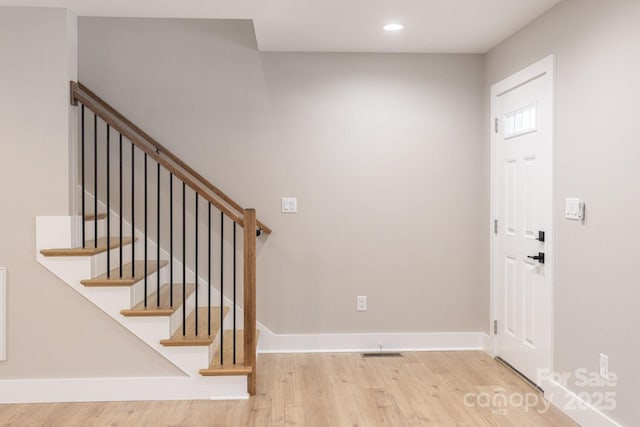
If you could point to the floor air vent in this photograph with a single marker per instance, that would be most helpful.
(381, 354)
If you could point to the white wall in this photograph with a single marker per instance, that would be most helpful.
(381, 150)
(52, 331)
(597, 158)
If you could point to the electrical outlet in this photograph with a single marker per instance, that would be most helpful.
(362, 303)
(604, 366)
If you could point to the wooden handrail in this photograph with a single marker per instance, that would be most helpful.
(160, 154)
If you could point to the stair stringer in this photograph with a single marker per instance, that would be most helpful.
(56, 231)
(265, 332)
(138, 290)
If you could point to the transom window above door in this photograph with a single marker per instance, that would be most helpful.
(520, 122)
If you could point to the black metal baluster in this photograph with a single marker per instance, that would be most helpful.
(171, 239)
(120, 203)
(133, 210)
(84, 237)
(196, 263)
(145, 230)
(108, 203)
(234, 292)
(158, 242)
(184, 263)
(209, 270)
(95, 180)
(221, 288)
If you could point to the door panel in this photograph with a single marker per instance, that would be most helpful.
(529, 309)
(511, 186)
(522, 164)
(529, 197)
(512, 295)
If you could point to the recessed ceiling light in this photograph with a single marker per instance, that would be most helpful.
(393, 27)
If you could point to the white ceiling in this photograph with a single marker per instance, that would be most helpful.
(451, 26)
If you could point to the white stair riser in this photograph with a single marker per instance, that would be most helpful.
(176, 318)
(137, 289)
(228, 321)
(102, 225)
(99, 261)
(90, 232)
(214, 346)
(109, 299)
(203, 300)
(70, 269)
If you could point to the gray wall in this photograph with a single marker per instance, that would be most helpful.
(52, 331)
(385, 153)
(597, 158)
(381, 150)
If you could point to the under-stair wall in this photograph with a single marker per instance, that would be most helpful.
(53, 232)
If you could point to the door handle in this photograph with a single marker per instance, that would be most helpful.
(540, 236)
(539, 257)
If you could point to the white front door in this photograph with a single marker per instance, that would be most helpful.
(522, 194)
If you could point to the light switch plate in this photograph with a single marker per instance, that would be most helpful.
(574, 209)
(361, 304)
(289, 205)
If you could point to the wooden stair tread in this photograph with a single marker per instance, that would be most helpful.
(92, 217)
(127, 279)
(228, 368)
(190, 338)
(165, 308)
(89, 249)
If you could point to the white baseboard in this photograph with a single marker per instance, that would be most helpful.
(122, 389)
(490, 345)
(409, 341)
(579, 410)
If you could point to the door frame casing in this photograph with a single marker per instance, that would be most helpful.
(545, 66)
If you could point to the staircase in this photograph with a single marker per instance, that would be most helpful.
(159, 249)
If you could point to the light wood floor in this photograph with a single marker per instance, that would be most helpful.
(330, 390)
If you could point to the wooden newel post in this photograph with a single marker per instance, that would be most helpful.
(250, 333)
